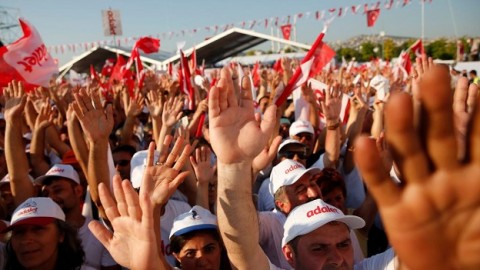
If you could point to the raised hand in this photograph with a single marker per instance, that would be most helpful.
(15, 100)
(44, 117)
(164, 177)
(154, 103)
(422, 65)
(332, 105)
(132, 243)
(96, 122)
(235, 134)
(433, 219)
(204, 171)
(464, 101)
(172, 111)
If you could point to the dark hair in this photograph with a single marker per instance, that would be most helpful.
(331, 179)
(178, 241)
(125, 148)
(70, 253)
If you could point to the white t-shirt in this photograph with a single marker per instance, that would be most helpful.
(172, 210)
(383, 261)
(96, 255)
(271, 233)
(266, 202)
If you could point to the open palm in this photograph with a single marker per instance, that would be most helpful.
(433, 218)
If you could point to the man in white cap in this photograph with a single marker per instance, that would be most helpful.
(304, 132)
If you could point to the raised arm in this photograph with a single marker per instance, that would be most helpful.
(331, 108)
(17, 163)
(37, 148)
(236, 139)
(436, 211)
(97, 124)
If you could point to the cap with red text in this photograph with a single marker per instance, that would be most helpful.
(310, 216)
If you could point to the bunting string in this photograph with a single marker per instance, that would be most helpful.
(277, 21)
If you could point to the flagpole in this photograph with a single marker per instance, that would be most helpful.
(273, 43)
(453, 19)
(423, 20)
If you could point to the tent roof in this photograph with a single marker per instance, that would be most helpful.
(96, 56)
(231, 43)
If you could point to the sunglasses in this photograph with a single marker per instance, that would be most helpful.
(122, 162)
(291, 154)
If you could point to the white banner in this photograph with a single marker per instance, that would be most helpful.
(112, 24)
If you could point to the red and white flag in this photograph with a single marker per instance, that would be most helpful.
(313, 59)
(187, 81)
(286, 31)
(417, 48)
(372, 16)
(108, 67)
(27, 60)
(148, 44)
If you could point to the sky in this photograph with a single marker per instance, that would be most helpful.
(62, 22)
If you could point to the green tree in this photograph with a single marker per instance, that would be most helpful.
(348, 53)
(441, 49)
(389, 49)
(366, 51)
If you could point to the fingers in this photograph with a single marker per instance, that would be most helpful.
(107, 201)
(131, 199)
(474, 135)
(269, 120)
(401, 135)
(435, 94)
(472, 97)
(227, 83)
(214, 102)
(460, 95)
(101, 233)
(120, 197)
(379, 183)
(175, 152)
(183, 158)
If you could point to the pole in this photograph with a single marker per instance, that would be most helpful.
(423, 21)
(273, 43)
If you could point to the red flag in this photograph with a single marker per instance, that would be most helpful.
(323, 55)
(286, 30)
(417, 48)
(148, 44)
(187, 82)
(27, 60)
(118, 69)
(302, 72)
(108, 67)
(170, 69)
(277, 66)
(93, 73)
(372, 16)
(256, 75)
(405, 62)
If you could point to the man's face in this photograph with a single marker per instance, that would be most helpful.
(295, 152)
(64, 192)
(306, 138)
(122, 163)
(328, 247)
(300, 192)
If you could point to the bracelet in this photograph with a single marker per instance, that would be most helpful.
(334, 126)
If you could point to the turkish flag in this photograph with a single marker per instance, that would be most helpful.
(256, 74)
(313, 60)
(108, 67)
(187, 82)
(118, 69)
(277, 66)
(322, 56)
(372, 16)
(27, 60)
(417, 48)
(286, 30)
(148, 44)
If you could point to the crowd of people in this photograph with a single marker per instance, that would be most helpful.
(376, 170)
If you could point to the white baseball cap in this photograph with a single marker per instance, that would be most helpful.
(36, 210)
(287, 173)
(60, 170)
(288, 142)
(137, 166)
(310, 216)
(198, 218)
(300, 126)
